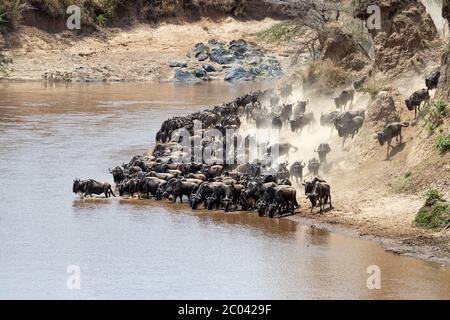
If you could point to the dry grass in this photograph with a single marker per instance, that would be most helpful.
(325, 76)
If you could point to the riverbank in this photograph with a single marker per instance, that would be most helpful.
(140, 53)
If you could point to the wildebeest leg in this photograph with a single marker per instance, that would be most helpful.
(331, 206)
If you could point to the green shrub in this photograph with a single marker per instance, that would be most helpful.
(408, 174)
(435, 112)
(10, 12)
(431, 196)
(283, 31)
(443, 143)
(434, 216)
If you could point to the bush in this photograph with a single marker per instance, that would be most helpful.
(432, 195)
(435, 112)
(443, 143)
(326, 76)
(434, 216)
(283, 31)
(10, 12)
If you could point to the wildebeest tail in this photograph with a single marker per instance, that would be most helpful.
(110, 190)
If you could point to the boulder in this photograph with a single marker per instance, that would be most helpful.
(221, 56)
(175, 64)
(185, 76)
(202, 57)
(238, 73)
(201, 74)
(208, 67)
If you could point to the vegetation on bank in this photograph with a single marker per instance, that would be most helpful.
(435, 213)
(282, 32)
(96, 12)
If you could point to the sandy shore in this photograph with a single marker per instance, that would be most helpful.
(142, 53)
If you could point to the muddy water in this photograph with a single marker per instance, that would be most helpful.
(50, 135)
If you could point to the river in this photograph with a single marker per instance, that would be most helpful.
(51, 134)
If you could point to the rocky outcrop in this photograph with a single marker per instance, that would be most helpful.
(237, 60)
(443, 90)
(406, 40)
(344, 51)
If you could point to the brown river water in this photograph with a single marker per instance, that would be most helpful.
(52, 134)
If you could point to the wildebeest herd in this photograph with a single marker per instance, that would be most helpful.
(252, 185)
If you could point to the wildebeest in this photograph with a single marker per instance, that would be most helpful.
(177, 188)
(323, 150)
(286, 112)
(285, 200)
(149, 185)
(318, 192)
(118, 174)
(432, 79)
(313, 167)
(277, 123)
(416, 99)
(392, 130)
(91, 186)
(296, 170)
(302, 121)
(344, 97)
(282, 149)
(350, 127)
(300, 108)
(285, 92)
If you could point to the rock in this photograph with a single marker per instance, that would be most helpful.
(202, 57)
(202, 74)
(185, 76)
(175, 64)
(254, 60)
(221, 56)
(407, 38)
(238, 73)
(239, 46)
(443, 89)
(208, 67)
(200, 48)
(344, 51)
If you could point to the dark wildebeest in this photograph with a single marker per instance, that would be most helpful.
(344, 97)
(282, 149)
(302, 121)
(118, 174)
(150, 185)
(277, 123)
(300, 108)
(313, 167)
(318, 191)
(432, 79)
(350, 127)
(296, 170)
(179, 188)
(89, 187)
(286, 112)
(285, 200)
(285, 92)
(323, 150)
(392, 130)
(416, 99)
